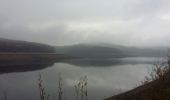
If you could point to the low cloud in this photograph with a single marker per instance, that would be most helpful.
(133, 22)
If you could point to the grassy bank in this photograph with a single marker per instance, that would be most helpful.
(155, 87)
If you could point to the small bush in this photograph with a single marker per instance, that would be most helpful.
(159, 71)
(81, 89)
(43, 95)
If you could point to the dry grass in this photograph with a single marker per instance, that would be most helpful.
(60, 88)
(43, 95)
(159, 71)
(155, 87)
(81, 89)
(158, 82)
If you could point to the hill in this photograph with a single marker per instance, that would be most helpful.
(90, 51)
(15, 52)
(109, 51)
(7, 45)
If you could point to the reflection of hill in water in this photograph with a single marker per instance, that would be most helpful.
(9, 68)
(106, 62)
(93, 62)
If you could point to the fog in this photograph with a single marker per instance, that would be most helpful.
(66, 22)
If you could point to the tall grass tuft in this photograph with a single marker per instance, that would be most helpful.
(158, 83)
(81, 89)
(60, 88)
(159, 71)
(42, 89)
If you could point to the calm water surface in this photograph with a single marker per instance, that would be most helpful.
(105, 77)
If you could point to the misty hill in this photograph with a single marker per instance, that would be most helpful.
(109, 51)
(90, 51)
(19, 53)
(7, 45)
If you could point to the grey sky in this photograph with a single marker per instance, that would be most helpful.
(64, 22)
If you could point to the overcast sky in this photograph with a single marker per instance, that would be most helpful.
(65, 22)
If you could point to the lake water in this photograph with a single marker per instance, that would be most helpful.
(105, 77)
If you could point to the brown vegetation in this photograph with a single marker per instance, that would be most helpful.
(43, 95)
(81, 89)
(60, 88)
(155, 87)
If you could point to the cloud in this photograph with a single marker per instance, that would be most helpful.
(56, 22)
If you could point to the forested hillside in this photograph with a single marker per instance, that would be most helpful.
(7, 45)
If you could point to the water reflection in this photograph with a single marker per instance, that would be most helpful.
(102, 81)
(9, 67)
(109, 62)
(93, 62)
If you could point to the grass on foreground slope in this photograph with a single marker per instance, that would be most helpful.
(80, 90)
(155, 87)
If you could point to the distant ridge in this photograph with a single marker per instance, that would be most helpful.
(110, 51)
(8, 45)
(90, 51)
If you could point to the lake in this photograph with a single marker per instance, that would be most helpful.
(105, 77)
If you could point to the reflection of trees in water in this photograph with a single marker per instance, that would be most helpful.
(8, 67)
(93, 62)
(104, 62)
(19, 67)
